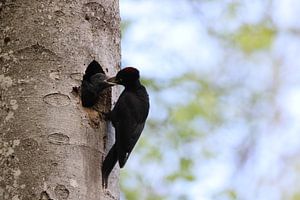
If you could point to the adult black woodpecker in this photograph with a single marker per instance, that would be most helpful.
(128, 118)
(94, 81)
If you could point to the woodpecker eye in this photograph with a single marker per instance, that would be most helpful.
(120, 79)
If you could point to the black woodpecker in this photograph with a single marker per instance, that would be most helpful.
(128, 118)
(94, 81)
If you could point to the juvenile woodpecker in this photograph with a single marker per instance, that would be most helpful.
(128, 118)
(94, 81)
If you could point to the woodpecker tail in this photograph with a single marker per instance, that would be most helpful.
(108, 164)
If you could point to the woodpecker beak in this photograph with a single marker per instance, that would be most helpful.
(112, 81)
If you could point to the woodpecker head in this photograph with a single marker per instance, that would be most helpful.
(93, 68)
(126, 77)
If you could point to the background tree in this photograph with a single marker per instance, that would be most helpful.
(50, 146)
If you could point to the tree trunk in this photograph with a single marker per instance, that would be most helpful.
(50, 146)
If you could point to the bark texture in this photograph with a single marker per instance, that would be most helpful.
(50, 146)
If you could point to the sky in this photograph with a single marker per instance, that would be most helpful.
(167, 39)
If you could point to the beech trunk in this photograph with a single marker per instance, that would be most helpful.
(51, 148)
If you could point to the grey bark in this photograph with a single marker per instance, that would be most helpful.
(50, 146)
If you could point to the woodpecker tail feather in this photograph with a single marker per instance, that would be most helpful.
(108, 164)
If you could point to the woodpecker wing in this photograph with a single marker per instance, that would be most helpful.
(129, 113)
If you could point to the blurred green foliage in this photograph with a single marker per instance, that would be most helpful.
(173, 145)
(253, 37)
(177, 130)
(124, 26)
(296, 196)
(184, 171)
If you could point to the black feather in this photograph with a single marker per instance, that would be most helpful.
(92, 84)
(128, 117)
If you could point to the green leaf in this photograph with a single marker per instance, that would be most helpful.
(189, 177)
(296, 196)
(124, 26)
(153, 154)
(232, 194)
(130, 194)
(232, 8)
(179, 175)
(172, 177)
(185, 164)
(251, 38)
